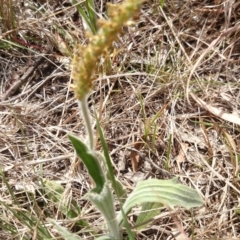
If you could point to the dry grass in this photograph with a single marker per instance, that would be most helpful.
(172, 57)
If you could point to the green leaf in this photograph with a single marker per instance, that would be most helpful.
(90, 6)
(91, 162)
(117, 186)
(89, 15)
(105, 204)
(101, 196)
(34, 224)
(4, 179)
(148, 211)
(167, 192)
(162, 2)
(64, 232)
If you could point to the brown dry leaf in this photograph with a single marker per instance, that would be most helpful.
(217, 112)
(181, 156)
(206, 138)
(135, 156)
(231, 146)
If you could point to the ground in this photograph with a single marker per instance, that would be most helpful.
(168, 99)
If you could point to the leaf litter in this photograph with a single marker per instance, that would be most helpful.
(184, 55)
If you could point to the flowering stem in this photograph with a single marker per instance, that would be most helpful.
(87, 120)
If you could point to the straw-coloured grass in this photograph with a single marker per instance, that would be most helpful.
(175, 69)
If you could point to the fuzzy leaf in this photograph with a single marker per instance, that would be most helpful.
(104, 202)
(91, 162)
(149, 210)
(167, 192)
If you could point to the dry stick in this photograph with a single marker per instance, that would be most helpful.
(23, 79)
(220, 176)
(39, 161)
(180, 228)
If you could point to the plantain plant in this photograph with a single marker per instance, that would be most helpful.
(166, 192)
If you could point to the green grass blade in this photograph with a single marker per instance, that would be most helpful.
(89, 20)
(8, 187)
(90, 6)
(31, 222)
(127, 225)
(7, 226)
(117, 186)
(168, 152)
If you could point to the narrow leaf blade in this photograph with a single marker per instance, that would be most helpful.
(117, 186)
